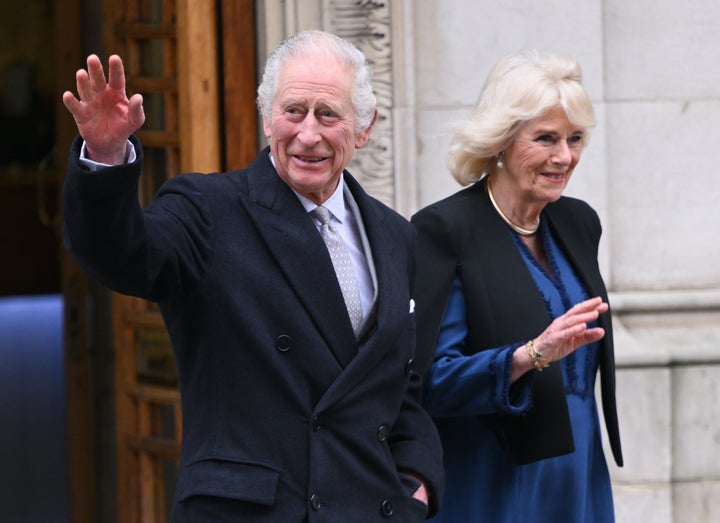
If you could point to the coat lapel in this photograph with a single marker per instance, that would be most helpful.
(392, 306)
(578, 246)
(501, 265)
(297, 247)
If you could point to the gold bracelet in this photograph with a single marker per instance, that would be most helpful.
(539, 361)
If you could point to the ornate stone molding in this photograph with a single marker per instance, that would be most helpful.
(367, 24)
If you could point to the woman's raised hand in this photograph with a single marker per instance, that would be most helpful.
(570, 331)
(565, 334)
(104, 115)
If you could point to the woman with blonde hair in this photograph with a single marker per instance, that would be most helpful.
(512, 312)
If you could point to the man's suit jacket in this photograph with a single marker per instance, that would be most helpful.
(463, 234)
(286, 415)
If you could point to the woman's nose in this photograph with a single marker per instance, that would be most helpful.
(562, 154)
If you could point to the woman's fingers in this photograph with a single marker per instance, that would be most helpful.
(592, 335)
(570, 331)
(584, 312)
(593, 304)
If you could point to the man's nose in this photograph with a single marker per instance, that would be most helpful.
(309, 130)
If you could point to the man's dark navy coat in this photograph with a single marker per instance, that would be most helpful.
(286, 416)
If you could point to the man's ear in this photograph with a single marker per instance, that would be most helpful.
(266, 128)
(362, 137)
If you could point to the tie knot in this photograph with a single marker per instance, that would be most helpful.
(321, 214)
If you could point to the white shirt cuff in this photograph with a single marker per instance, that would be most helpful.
(130, 156)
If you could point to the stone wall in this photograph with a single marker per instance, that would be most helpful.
(652, 69)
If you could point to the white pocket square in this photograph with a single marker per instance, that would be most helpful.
(412, 306)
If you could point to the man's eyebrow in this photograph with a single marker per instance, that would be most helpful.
(292, 101)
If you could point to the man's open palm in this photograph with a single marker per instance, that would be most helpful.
(104, 115)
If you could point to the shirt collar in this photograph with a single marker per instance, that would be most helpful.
(335, 204)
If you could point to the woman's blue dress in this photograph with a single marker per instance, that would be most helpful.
(483, 485)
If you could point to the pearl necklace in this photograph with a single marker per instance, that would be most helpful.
(516, 228)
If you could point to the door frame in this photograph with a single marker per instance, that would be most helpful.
(90, 312)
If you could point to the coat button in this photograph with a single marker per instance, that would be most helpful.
(315, 423)
(410, 367)
(387, 508)
(283, 342)
(382, 433)
(315, 502)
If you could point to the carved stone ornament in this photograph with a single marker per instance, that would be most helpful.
(367, 24)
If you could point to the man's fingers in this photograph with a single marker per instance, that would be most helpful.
(136, 113)
(85, 91)
(70, 102)
(116, 73)
(96, 73)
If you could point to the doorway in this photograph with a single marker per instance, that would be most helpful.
(32, 395)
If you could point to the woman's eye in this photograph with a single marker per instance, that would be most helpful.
(546, 138)
(576, 139)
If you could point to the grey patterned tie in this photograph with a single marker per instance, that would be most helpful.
(343, 265)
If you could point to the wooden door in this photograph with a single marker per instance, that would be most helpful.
(194, 63)
(174, 57)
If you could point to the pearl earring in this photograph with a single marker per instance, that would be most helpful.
(500, 163)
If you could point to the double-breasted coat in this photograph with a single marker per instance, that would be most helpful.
(287, 417)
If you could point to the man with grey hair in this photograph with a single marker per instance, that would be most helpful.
(285, 289)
